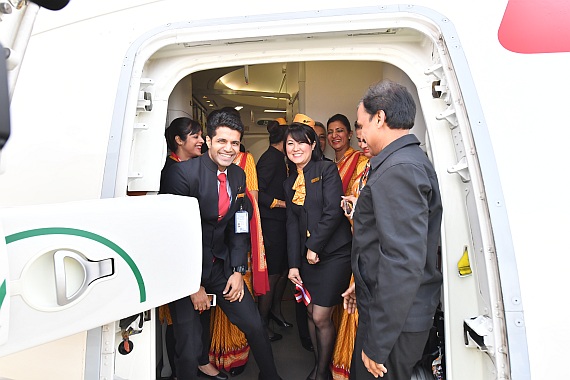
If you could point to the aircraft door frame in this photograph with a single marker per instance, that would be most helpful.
(492, 217)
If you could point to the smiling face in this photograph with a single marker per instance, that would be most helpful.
(223, 146)
(338, 136)
(190, 148)
(362, 143)
(299, 153)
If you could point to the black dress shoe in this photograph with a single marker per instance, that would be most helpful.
(235, 371)
(219, 376)
(307, 345)
(275, 336)
(280, 322)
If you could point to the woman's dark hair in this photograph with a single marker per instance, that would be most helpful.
(343, 119)
(276, 131)
(303, 133)
(181, 127)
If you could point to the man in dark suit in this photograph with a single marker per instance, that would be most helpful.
(397, 222)
(219, 187)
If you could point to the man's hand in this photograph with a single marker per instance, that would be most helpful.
(294, 276)
(376, 369)
(349, 301)
(200, 300)
(234, 290)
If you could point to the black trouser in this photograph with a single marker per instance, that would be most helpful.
(204, 357)
(188, 345)
(244, 314)
(170, 348)
(406, 352)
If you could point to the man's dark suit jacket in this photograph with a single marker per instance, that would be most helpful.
(397, 223)
(321, 216)
(198, 178)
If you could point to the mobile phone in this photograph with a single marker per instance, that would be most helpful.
(212, 298)
(347, 207)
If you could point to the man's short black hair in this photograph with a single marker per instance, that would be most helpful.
(396, 102)
(223, 118)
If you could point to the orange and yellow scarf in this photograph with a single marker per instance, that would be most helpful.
(299, 187)
(258, 261)
(346, 166)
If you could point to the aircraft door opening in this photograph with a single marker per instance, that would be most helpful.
(415, 47)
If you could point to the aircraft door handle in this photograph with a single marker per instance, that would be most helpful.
(74, 273)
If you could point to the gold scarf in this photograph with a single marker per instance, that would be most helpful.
(299, 187)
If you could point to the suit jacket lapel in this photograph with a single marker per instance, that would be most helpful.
(211, 187)
(309, 173)
(232, 177)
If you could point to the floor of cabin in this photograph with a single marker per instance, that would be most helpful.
(292, 360)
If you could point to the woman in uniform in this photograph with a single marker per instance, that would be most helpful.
(318, 239)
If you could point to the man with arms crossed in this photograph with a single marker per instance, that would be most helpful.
(397, 225)
(219, 187)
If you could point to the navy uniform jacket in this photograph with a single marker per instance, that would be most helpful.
(322, 218)
(198, 178)
(397, 224)
(271, 173)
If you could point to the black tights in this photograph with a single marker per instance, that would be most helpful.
(323, 336)
(271, 301)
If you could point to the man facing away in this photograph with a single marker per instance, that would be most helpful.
(397, 224)
(219, 187)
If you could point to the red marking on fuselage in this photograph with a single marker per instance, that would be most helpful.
(531, 26)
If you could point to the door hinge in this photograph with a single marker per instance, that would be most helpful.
(477, 332)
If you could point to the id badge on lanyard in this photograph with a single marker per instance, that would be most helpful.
(242, 222)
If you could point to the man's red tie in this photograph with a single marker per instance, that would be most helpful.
(223, 198)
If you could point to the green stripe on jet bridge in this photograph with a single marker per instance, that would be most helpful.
(88, 235)
(2, 293)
